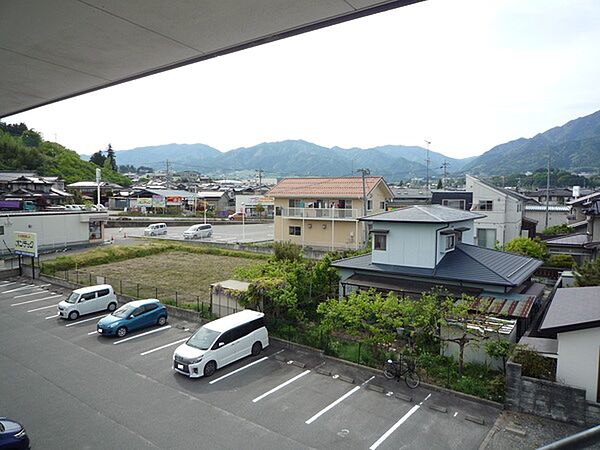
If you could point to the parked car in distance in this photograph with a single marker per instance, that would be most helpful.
(236, 216)
(133, 316)
(221, 342)
(12, 435)
(88, 300)
(155, 229)
(73, 208)
(198, 231)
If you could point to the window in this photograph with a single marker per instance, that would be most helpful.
(137, 312)
(369, 205)
(295, 231)
(454, 203)
(379, 241)
(103, 292)
(88, 296)
(486, 237)
(295, 203)
(486, 205)
(450, 241)
(150, 307)
(382, 205)
(1, 230)
(519, 207)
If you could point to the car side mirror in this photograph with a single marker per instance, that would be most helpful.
(130, 317)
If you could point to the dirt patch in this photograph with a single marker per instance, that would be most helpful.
(188, 274)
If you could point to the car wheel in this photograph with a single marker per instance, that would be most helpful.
(121, 332)
(161, 321)
(210, 368)
(112, 307)
(256, 348)
(73, 315)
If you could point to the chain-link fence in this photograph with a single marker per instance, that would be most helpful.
(194, 301)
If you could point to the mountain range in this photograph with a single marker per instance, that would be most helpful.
(574, 146)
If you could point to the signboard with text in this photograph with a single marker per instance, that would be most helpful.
(26, 243)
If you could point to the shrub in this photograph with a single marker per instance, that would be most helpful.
(588, 274)
(533, 364)
(560, 261)
(534, 248)
(287, 251)
(557, 229)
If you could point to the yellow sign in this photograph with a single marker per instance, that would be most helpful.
(26, 243)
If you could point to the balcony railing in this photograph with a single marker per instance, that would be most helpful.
(321, 213)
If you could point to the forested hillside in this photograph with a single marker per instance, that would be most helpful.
(23, 149)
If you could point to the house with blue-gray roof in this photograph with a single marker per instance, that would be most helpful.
(422, 247)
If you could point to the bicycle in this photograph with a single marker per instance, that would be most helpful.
(399, 369)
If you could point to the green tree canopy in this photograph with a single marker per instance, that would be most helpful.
(534, 248)
(588, 274)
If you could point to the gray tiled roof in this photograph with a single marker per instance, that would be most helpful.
(465, 263)
(572, 239)
(573, 309)
(424, 214)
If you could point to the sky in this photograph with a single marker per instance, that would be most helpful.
(465, 75)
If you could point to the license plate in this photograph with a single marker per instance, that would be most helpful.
(180, 366)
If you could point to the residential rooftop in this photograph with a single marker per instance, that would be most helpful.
(424, 214)
(338, 187)
(573, 309)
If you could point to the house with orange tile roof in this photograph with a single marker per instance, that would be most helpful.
(324, 212)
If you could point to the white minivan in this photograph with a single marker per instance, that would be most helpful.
(88, 300)
(198, 231)
(221, 342)
(155, 229)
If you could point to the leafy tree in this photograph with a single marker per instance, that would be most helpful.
(588, 274)
(561, 260)
(260, 209)
(98, 158)
(557, 229)
(15, 130)
(501, 349)
(111, 159)
(287, 251)
(127, 168)
(145, 169)
(534, 248)
(31, 138)
(440, 185)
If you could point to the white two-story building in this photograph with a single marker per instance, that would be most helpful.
(502, 209)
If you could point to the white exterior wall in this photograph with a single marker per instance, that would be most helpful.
(54, 230)
(507, 213)
(579, 360)
(554, 218)
(408, 244)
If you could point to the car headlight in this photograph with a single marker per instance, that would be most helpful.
(195, 360)
(21, 434)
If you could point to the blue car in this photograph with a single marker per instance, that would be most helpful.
(12, 435)
(133, 316)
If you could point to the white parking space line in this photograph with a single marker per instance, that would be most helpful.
(8, 284)
(282, 385)
(394, 427)
(36, 300)
(166, 327)
(238, 370)
(29, 286)
(332, 405)
(43, 307)
(163, 346)
(51, 317)
(85, 320)
(93, 332)
(41, 291)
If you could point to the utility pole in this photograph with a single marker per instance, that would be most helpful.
(168, 174)
(427, 161)
(444, 166)
(548, 191)
(364, 172)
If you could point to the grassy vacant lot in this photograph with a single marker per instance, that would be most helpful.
(188, 274)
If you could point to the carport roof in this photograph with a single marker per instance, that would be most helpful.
(571, 309)
(53, 50)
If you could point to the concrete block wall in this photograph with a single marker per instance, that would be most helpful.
(548, 399)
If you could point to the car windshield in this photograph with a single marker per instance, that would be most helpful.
(123, 311)
(72, 298)
(203, 338)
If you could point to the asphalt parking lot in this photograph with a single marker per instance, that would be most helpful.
(238, 233)
(72, 388)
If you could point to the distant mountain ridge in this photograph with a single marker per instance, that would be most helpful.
(574, 146)
(292, 158)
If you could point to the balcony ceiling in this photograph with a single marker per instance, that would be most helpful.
(53, 50)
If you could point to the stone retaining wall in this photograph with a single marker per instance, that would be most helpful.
(548, 399)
